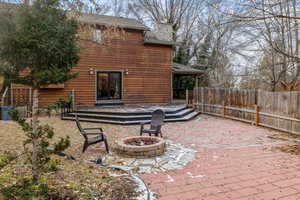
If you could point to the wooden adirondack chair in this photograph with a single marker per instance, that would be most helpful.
(98, 136)
(157, 121)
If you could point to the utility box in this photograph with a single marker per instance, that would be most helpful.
(4, 112)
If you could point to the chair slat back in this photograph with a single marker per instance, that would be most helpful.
(157, 120)
(79, 126)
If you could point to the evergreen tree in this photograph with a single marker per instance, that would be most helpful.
(38, 48)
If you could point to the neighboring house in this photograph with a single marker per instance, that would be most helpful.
(134, 68)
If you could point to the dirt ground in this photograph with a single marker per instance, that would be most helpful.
(12, 136)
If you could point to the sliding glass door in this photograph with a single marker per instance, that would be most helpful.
(109, 85)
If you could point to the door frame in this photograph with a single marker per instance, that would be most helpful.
(96, 84)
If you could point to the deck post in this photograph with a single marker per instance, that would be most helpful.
(187, 97)
(73, 103)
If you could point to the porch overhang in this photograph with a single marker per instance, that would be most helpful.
(185, 70)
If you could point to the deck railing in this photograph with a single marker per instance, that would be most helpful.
(66, 109)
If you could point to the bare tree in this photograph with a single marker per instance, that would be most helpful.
(183, 15)
(218, 47)
(275, 23)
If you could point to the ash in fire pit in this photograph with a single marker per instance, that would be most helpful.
(141, 146)
(141, 141)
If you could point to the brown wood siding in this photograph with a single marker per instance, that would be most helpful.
(149, 71)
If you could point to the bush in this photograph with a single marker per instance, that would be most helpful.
(48, 110)
(44, 134)
(6, 158)
(25, 189)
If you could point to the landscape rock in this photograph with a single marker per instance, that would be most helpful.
(175, 157)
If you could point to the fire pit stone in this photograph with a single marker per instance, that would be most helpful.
(141, 146)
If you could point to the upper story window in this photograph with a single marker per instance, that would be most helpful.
(97, 35)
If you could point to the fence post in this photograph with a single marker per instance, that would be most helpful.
(194, 98)
(202, 99)
(257, 108)
(224, 107)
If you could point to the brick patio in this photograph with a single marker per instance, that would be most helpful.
(234, 161)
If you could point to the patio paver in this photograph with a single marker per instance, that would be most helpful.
(234, 161)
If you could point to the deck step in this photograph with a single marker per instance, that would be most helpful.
(126, 113)
(134, 122)
(176, 114)
(116, 117)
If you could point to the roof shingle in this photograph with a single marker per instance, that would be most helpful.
(114, 21)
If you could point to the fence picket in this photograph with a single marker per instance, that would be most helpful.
(279, 110)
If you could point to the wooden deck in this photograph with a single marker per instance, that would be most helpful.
(130, 115)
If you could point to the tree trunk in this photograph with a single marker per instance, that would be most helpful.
(35, 140)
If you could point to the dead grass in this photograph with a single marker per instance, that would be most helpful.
(290, 148)
(287, 135)
(72, 180)
(12, 137)
(82, 178)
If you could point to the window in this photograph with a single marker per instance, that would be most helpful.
(97, 35)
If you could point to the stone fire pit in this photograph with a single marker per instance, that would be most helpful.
(141, 146)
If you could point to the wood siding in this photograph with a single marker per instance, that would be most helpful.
(148, 66)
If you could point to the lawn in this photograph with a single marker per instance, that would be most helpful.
(72, 179)
(12, 137)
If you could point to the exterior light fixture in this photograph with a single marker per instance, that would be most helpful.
(91, 71)
(126, 72)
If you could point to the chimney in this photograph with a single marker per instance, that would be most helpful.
(163, 32)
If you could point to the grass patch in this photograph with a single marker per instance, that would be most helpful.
(290, 148)
(63, 179)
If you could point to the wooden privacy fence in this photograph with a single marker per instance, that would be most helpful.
(20, 98)
(278, 110)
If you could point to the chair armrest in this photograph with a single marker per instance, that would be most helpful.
(94, 128)
(85, 133)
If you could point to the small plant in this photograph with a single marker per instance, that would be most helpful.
(25, 189)
(44, 133)
(52, 165)
(60, 102)
(28, 189)
(6, 158)
(48, 110)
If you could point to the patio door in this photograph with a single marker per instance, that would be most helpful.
(109, 86)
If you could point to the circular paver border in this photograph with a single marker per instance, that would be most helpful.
(147, 151)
